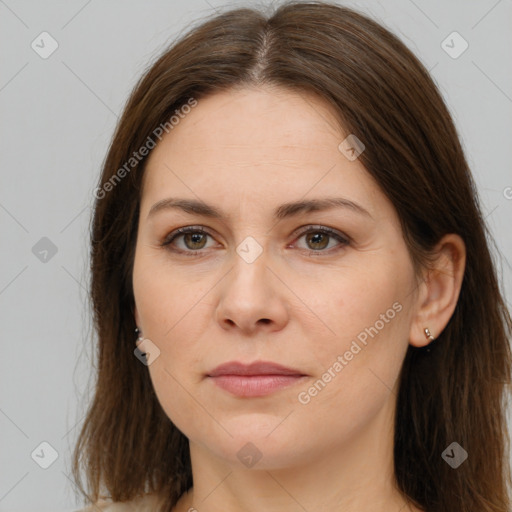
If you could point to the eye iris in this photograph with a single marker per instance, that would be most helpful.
(317, 239)
(195, 238)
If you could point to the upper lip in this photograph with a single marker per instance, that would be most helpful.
(255, 368)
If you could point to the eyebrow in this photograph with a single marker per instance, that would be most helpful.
(283, 211)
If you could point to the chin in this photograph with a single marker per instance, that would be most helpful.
(257, 445)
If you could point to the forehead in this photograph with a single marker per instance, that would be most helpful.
(240, 120)
(255, 143)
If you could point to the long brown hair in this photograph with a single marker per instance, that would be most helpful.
(454, 392)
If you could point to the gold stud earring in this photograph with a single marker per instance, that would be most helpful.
(428, 334)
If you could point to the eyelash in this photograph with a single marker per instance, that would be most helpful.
(343, 239)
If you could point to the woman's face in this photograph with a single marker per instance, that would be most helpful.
(275, 276)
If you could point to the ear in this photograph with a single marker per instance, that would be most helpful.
(439, 291)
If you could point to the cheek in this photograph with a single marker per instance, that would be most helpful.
(358, 363)
(172, 313)
(367, 306)
(177, 397)
(167, 301)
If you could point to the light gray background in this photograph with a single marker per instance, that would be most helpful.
(57, 117)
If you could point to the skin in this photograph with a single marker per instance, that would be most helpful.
(247, 151)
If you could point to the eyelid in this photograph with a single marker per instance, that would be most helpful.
(183, 231)
(319, 227)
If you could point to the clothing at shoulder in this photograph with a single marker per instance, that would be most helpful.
(145, 503)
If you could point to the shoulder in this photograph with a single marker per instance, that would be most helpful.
(145, 503)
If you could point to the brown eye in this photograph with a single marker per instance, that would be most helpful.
(194, 241)
(189, 240)
(318, 239)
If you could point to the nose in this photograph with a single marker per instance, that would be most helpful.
(252, 298)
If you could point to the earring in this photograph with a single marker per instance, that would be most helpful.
(139, 336)
(428, 334)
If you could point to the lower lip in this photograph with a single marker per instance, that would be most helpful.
(255, 385)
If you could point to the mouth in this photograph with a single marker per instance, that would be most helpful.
(260, 378)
